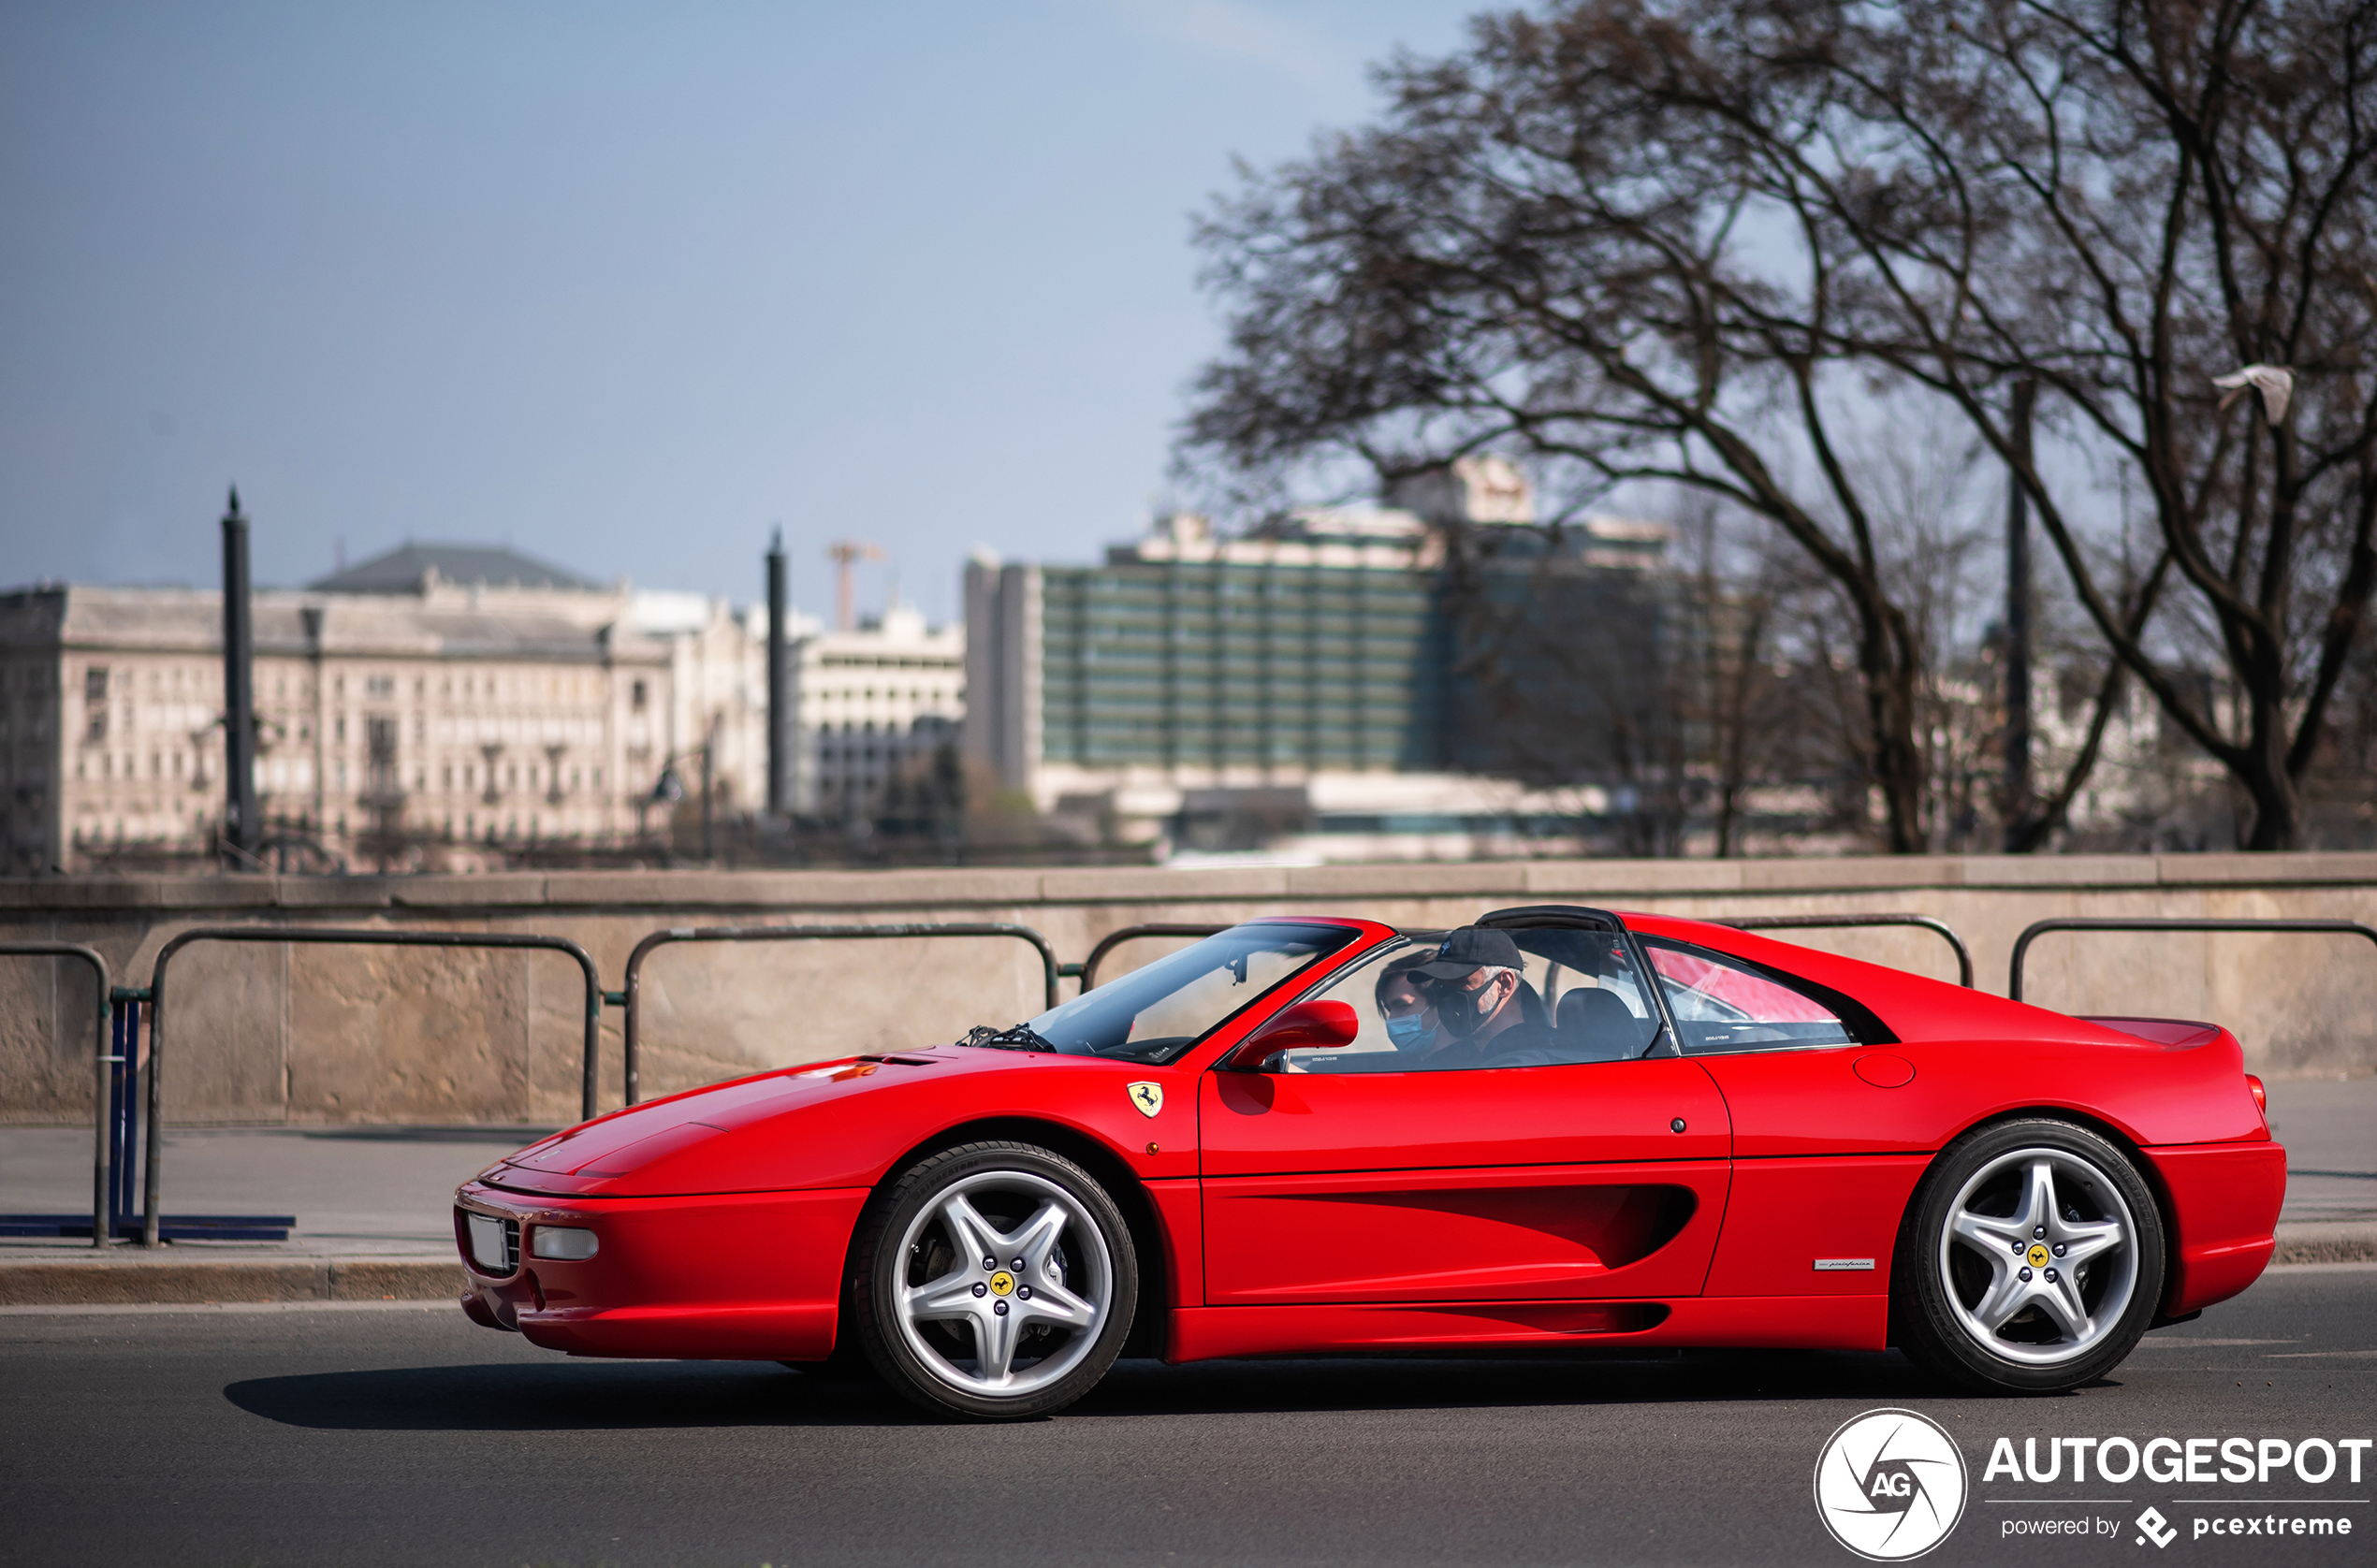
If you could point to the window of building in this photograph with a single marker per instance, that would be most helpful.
(95, 683)
(636, 696)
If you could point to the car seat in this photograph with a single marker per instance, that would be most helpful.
(1597, 1026)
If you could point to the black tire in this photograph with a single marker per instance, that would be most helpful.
(2079, 1277)
(947, 1352)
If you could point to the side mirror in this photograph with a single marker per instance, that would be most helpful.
(1305, 1026)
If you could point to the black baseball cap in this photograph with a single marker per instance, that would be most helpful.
(1474, 947)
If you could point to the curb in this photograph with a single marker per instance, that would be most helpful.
(126, 1279)
(176, 1281)
(2347, 1241)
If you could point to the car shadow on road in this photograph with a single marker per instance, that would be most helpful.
(566, 1396)
(593, 1396)
(1318, 1385)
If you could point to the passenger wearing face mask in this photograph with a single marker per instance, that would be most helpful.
(1403, 1001)
(1480, 996)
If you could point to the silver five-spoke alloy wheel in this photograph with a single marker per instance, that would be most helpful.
(2038, 1256)
(1017, 1277)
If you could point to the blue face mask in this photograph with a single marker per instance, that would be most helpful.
(1410, 1033)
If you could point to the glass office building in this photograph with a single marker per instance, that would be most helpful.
(1189, 671)
(1260, 657)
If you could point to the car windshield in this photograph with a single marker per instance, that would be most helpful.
(1155, 1013)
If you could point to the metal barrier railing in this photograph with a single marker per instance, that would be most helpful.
(1820, 923)
(1088, 968)
(153, 1179)
(102, 1061)
(2081, 923)
(630, 997)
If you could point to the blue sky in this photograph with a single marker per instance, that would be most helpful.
(623, 285)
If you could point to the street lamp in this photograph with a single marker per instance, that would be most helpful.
(669, 790)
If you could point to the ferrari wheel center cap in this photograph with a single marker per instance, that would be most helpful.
(2037, 1255)
(1001, 1283)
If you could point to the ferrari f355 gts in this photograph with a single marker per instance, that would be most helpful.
(1557, 1128)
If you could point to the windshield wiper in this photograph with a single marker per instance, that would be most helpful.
(1016, 1037)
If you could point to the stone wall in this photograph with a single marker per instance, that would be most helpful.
(283, 1032)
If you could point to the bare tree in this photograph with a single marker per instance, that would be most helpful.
(1575, 675)
(2127, 201)
(1670, 239)
(1539, 248)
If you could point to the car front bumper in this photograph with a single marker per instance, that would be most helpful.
(737, 1276)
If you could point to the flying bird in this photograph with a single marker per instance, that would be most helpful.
(2276, 383)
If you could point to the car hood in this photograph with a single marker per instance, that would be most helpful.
(825, 1123)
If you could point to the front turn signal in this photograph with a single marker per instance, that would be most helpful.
(564, 1243)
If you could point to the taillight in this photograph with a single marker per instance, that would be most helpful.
(2261, 1095)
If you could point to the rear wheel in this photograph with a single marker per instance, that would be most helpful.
(2032, 1260)
(995, 1281)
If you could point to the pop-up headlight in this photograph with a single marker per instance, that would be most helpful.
(565, 1242)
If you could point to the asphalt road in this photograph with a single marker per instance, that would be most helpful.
(402, 1435)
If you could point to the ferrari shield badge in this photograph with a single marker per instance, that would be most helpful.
(1148, 1098)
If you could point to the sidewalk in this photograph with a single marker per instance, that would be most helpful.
(375, 1204)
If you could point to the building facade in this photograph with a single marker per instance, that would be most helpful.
(456, 714)
(1297, 684)
(873, 710)
(438, 706)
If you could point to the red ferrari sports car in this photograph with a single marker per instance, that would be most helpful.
(1556, 1128)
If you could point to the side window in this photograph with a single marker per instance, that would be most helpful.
(1722, 1004)
(1580, 1000)
(1379, 993)
(1597, 1002)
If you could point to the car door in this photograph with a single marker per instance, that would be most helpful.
(1828, 1128)
(1352, 1177)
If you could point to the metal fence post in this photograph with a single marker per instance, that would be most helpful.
(631, 994)
(99, 1227)
(2040, 928)
(153, 1180)
(1819, 923)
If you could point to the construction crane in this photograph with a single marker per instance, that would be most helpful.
(846, 554)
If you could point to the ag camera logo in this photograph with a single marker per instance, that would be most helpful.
(1891, 1485)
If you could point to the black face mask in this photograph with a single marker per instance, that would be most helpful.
(1463, 1011)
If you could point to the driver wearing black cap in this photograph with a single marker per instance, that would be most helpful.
(1477, 985)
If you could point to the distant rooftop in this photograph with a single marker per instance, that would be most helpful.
(403, 570)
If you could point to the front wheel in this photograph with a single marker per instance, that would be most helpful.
(995, 1281)
(2032, 1260)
